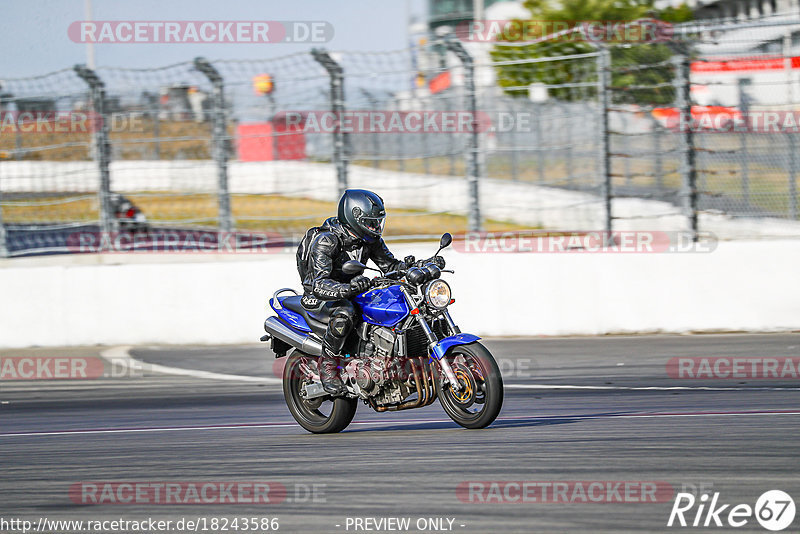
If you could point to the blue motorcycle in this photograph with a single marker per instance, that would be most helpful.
(404, 353)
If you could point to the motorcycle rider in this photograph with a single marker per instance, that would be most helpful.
(355, 234)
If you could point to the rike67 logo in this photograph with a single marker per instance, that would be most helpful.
(774, 510)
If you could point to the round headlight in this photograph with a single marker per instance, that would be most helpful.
(437, 294)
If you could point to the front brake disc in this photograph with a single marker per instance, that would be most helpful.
(467, 396)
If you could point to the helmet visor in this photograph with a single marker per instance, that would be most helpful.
(373, 225)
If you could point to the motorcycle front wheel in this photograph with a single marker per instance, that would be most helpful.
(480, 399)
(322, 415)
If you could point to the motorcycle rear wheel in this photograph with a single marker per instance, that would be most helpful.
(323, 415)
(478, 403)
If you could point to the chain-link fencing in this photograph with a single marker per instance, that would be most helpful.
(747, 162)
(686, 132)
(690, 127)
(48, 179)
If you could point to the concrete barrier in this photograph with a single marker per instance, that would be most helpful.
(181, 299)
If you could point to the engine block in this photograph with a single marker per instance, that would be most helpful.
(378, 373)
(393, 392)
(383, 339)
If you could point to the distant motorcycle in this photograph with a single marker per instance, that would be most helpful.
(128, 217)
(405, 352)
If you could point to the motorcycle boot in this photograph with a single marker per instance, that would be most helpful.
(329, 373)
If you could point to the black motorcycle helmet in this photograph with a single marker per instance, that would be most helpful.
(362, 212)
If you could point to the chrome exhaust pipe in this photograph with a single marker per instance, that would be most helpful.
(302, 342)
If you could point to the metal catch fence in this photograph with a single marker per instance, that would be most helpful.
(690, 132)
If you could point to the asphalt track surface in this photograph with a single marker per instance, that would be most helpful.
(576, 409)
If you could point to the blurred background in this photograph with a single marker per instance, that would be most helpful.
(572, 133)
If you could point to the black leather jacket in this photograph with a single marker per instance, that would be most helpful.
(328, 252)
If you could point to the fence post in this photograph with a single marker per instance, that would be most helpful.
(744, 157)
(474, 168)
(219, 138)
(568, 149)
(658, 165)
(514, 143)
(3, 245)
(540, 150)
(102, 146)
(336, 74)
(792, 176)
(626, 149)
(603, 154)
(688, 154)
(157, 132)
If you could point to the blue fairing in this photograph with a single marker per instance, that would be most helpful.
(459, 339)
(294, 319)
(383, 307)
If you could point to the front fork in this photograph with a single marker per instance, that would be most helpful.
(455, 385)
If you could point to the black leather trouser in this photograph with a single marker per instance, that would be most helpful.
(339, 314)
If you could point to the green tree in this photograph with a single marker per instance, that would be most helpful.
(640, 69)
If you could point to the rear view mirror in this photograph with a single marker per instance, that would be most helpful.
(353, 267)
(445, 241)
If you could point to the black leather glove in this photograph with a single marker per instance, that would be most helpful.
(359, 284)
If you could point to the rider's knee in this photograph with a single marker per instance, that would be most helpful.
(341, 323)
